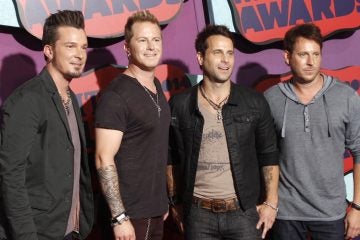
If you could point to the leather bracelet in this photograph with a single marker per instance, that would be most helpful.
(271, 206)
(355, 206)
(119, 219)
(173, 200)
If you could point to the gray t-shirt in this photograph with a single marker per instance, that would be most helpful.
(312, 140)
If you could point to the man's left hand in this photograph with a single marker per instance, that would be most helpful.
(352, 224)
(267, 218)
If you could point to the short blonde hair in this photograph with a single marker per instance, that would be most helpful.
(141, 16)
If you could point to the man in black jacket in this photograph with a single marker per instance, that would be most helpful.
(46, 186)
(221, 135)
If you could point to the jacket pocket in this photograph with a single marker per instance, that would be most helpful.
(40, 201)
(245, 127)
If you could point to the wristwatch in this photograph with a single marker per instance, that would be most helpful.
(119, 219)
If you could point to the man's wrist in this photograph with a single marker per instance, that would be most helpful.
(174, 200)
(271, 205)
(355, 206)
(119, 219)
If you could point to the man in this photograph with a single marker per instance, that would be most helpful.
(46, 184)
(132, 121)
(316, 118)
(221, 134)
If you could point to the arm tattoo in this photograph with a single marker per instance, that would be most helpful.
(268, 176)
(108, 178)
(170, 180)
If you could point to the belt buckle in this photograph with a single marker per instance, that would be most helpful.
(219, 206)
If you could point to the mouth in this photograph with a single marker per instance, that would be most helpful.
(77, 64)
(150, 55)
(224, 68)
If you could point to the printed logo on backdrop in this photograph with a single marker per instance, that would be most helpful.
(103, 18)
(266, 21)
(172, 79)
(348, 75)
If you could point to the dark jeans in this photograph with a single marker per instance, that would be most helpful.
(299, 230)
(148, 228)
(204, 224)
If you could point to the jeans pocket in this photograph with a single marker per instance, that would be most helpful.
(252, 213)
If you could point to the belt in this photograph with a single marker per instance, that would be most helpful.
(217, 205)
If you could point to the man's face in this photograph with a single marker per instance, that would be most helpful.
(305, 60)
(218, 61)
(68, 55)
(145, 47)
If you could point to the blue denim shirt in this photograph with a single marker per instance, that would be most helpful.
(250, 136)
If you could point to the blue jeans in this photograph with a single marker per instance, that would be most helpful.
(203, 224)
(300, 230)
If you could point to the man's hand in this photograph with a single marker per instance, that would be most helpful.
(124, 231)
(177, 214)
(165, 216)
(267, 218)
(352, 224)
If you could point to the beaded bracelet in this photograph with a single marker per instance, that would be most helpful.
(271, 206)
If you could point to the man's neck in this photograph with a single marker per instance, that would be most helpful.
(145, 78)
(216, 91)
(61, 83)
(307, 91)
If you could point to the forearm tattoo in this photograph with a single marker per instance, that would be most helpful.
(268, 176)
(108, 178)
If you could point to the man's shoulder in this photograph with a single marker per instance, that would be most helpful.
(180, 97)
(343, 86)
(121, 84)
(274, 89)
(29, 89)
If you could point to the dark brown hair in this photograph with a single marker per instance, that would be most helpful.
(307, 30)
(67, 18)
(210, 30)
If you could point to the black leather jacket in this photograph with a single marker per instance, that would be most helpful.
(250, 136)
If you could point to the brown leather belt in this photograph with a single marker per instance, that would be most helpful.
(217, 205)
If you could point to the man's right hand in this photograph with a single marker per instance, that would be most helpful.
(124, 231)
(177, 214)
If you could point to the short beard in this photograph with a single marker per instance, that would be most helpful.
(71, 75)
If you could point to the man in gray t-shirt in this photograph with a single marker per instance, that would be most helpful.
(317, 118)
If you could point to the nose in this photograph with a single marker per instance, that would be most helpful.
(81, 52)
(310, 60)
(150, 45)
(225, 58)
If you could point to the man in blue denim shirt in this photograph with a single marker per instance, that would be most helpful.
(221, 135)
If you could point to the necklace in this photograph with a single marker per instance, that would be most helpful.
(218, 107)
(156, 103)
(66, 101)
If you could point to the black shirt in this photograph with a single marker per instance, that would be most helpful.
(142, 157)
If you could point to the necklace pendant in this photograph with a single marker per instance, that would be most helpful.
(219, 115)
(159, 110)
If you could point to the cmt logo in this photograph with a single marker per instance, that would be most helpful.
(264, 21)
(103, 18)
